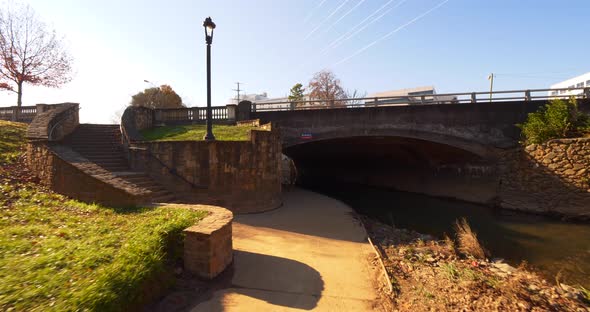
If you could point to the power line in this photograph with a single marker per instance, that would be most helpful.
(358, 25)
(326, 19)
(391, 33)
(306, 19)
(345, 15)
(365, 26)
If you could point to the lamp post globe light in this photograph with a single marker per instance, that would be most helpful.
(209, 27)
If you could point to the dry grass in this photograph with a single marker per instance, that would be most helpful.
(467, 240)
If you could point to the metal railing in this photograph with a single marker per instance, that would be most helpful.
(190, 114)
(427, 99)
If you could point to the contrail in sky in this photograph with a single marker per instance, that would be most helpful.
(357, 25)
(345, 14)
(306, 19)
(390, 33)
(364, 27)
(326, 19)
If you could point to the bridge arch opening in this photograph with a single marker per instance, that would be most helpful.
(401, 163)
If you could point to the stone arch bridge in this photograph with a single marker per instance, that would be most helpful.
(484, 129)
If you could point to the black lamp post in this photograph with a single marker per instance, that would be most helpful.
(209, 27)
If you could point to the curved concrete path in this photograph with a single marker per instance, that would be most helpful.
(309, 254)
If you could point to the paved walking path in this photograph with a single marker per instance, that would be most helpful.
(309, 254)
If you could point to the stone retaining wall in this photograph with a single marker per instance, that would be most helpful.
(243, 176)
(549, 178)
(69, 173)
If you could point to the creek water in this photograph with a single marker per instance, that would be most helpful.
(552, 247)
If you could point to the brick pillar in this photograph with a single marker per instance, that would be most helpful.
(41, 108)
(244, 109)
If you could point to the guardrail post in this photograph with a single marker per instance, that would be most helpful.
(587, 92)
(422, 99)
(375, 102)
(292, 105)
(473, 98)
(527, 95)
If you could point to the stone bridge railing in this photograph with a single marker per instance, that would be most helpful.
(24, 114)
(425, 99)
(219, 114)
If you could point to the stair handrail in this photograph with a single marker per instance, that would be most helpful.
(169, 169)
(66, 114)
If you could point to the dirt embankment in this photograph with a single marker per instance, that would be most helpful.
(432, 275)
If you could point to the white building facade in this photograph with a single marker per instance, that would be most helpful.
(411, 96)
(582, 81)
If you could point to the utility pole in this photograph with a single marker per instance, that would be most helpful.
(491, 79)
(238, 91)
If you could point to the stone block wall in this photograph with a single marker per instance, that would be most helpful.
(54, 122)
(70, 174)
(549, 178)
(208, 246)
(134, 120)
(67, 172)
(243, 176)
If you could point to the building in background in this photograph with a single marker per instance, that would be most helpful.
(413, 96)
(582, 81)
(250, 97)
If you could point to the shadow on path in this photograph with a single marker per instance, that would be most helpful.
(312, 214)
(273, 280)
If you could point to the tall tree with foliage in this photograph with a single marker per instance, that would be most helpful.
(326, 87)
(296, 94)
(157, 97)
(557, 119)
(30, 52)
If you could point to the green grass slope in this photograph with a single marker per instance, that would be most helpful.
(12, 136)
(58, 254)
(197, 132)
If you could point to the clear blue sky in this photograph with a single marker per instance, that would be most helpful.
(270, 45)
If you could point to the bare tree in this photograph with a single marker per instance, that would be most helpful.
(29, 52)
(353, 95)
(326, 87)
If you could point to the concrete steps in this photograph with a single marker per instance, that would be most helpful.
(101, 144)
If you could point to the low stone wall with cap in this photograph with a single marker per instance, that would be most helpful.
(208, 248)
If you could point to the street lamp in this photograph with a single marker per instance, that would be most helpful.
(209, 27)
(152, 94)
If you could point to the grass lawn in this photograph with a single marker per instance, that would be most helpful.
(197, 132)
(58, 254)
(12, 135)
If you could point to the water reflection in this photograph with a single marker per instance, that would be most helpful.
(547, 244)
